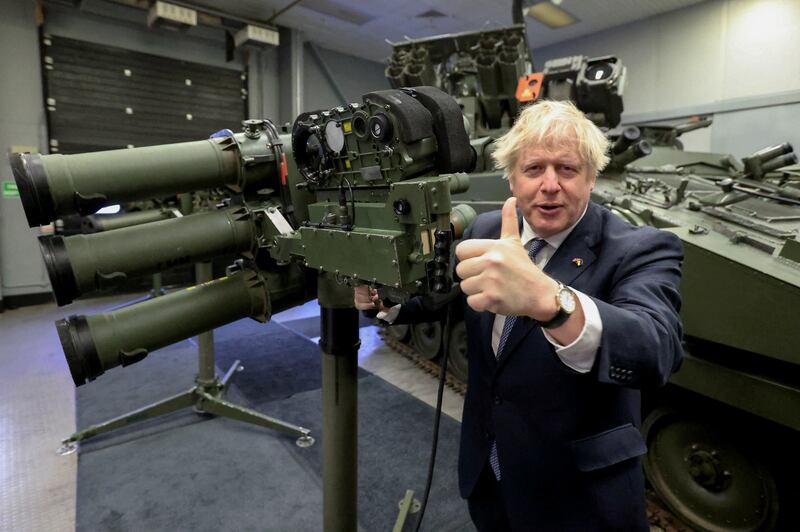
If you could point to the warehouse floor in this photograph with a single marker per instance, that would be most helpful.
(37, 408)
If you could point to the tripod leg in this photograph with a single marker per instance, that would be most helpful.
(236, 366)
(170, 404)
(221, 407)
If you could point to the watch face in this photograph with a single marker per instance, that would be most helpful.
(567, 300)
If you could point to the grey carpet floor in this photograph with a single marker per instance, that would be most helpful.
(189, 472)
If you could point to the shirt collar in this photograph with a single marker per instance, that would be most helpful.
(556, 240)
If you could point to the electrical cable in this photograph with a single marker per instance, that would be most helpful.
(352, 202)
(280, 158)
(438, 417)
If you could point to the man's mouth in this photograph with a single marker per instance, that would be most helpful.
(548, 207)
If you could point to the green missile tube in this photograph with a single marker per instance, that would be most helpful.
(108, 222)
(80, 264)
(95, 344)
(54, 185)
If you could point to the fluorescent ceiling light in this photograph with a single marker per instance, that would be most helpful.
(550, 15)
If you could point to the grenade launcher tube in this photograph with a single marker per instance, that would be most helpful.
(54, 185)
(95, 344)
(80, 264)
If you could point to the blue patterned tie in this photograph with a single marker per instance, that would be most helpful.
(534, 247)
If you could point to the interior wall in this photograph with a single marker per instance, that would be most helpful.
(319, 94)
(729, 58)
(21, 127)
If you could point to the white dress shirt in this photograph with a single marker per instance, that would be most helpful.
(580, 354)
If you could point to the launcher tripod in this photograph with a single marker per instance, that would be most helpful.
(206, 396)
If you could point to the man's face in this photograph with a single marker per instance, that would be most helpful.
(552, 187)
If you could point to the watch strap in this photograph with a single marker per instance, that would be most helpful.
(559, 320)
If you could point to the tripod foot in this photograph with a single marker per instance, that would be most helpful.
(408, 505)
(67, 447)
(305, 441)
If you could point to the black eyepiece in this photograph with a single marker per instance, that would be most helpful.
(79, 349)
(59, 269)
(33, 189)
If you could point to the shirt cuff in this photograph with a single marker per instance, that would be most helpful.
(580, 354)
(390, 315)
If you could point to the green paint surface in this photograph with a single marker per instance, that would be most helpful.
(10, 189)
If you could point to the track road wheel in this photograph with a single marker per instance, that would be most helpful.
(427, 338)
(400, 332)
(457, 352)
(705, 477)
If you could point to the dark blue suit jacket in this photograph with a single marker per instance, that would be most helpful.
(568, 443)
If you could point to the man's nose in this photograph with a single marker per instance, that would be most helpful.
(550, 180)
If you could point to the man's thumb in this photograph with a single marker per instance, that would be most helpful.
(510, 225)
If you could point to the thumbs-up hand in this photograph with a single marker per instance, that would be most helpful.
(498, 275)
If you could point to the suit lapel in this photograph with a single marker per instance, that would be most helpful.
(562, 267)
(576, 253)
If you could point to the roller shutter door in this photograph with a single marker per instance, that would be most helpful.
(101, 97)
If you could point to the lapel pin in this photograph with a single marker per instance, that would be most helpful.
(578, 261)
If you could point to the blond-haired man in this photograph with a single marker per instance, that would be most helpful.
(569, 312)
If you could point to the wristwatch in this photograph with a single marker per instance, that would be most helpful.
(565, 300)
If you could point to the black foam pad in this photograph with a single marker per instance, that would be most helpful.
(414, 121)
(455, 154)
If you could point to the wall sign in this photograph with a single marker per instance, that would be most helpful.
(10, 189)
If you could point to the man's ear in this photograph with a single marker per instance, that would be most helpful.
(511, 183)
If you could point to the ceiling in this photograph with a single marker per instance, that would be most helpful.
(361, 27)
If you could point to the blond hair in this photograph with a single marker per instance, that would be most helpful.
(550, 124)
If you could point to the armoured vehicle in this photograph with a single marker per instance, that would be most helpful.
(723, 434)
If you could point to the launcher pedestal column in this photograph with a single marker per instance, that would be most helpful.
(339, 343)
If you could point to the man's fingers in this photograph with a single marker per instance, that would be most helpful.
(473, 248)
(471, 267)
(361, 292)
(470, 286)
(510, 225)
(364, 297)
(478, 302)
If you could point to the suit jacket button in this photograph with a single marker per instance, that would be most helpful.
(498, 400)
